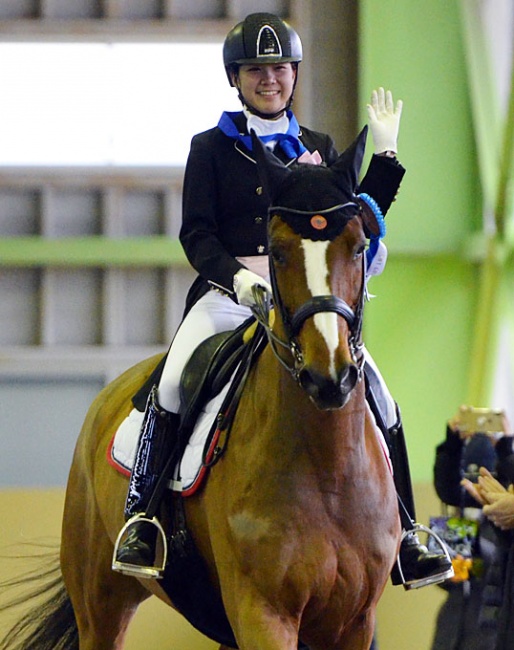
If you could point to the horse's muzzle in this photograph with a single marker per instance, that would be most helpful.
(328, 393)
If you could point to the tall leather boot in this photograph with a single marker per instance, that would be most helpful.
(419, 566)
(136, 550)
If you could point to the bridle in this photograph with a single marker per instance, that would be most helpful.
(317, 304)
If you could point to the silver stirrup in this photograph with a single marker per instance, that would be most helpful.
(431, 580)
(134, 570)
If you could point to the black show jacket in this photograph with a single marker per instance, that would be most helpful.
(224, 209)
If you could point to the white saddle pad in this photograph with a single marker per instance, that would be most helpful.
(189, 471)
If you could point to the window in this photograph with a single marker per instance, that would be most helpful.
(108, 104)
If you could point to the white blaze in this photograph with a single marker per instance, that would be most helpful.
(316, 270)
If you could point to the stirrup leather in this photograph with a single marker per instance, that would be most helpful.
(430, 580)
(155, 571)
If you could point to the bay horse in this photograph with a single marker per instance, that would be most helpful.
(298, 521)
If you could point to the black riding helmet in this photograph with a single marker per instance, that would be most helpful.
(261, 38)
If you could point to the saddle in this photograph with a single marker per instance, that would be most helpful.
(220, 359)
(210, 368)
(207, 371)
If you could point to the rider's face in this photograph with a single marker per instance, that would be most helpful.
(268, 86)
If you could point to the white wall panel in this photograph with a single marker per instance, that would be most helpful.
(19, 311)
(39, 424)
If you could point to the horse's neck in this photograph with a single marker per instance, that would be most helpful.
(331, 439)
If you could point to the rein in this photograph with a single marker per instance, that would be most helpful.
(315, 305)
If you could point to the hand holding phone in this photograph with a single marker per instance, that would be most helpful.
(471, 420)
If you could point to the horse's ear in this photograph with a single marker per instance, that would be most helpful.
(272, 171)
(348, 165)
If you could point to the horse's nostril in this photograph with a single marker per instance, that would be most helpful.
(349, 378)
(310, 381)
(326, 392)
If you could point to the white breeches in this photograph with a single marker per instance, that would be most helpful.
(391, 417)
(212, 314)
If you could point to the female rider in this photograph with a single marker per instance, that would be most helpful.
(224, 237)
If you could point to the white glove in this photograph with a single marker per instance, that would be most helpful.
(244, 280)
(384, 120)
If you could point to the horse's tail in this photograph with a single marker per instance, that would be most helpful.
(50, 624)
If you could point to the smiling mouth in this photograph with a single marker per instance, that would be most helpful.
(268, 93)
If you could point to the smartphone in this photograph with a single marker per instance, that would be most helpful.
(481, 420)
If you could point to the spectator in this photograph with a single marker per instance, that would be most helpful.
(478, 612)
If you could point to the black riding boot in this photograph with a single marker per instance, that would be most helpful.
(419, 566)
(136, 548)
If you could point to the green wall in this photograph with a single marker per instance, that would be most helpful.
(420, 327)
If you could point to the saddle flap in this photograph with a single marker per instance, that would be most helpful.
(210, 362)
(209, 369)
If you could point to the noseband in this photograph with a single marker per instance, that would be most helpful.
(315, 305)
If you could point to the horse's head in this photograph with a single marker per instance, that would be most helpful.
(317, 238)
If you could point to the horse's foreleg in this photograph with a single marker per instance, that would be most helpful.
(357, 637)
(257, 625)
(267, 636)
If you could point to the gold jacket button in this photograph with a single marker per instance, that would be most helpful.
(258, 190)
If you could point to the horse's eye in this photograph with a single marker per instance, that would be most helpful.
(278, 255)
(359, 252)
